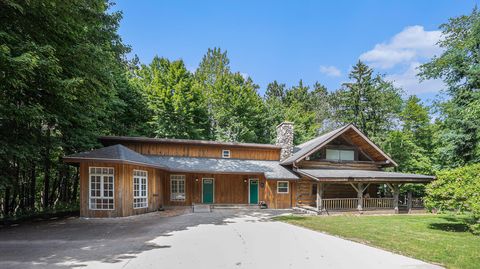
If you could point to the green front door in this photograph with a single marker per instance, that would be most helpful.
(207, 188)
(253, 191)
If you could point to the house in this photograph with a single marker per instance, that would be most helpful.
(339, 170)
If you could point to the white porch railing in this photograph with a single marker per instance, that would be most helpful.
(340, 203)
(352, 203)
(377, 202)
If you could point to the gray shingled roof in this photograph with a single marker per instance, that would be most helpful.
(114, 153)
(271, 169)
(364, 174)
(302, 150)
(306, 147)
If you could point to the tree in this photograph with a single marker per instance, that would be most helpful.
(457, 190)
(177, 108)
(57, 66)
(369, 102)
(458, 66)
(235, 109)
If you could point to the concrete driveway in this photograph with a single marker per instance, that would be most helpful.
(221, 239)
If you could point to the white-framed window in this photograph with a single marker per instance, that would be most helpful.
(140, 189)
(282, 186)
(340, 155)
(177, 187)
(226, 153)
(101, 188)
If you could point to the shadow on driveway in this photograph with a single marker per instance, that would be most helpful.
(74, 242)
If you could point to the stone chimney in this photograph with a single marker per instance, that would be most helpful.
(285, 139)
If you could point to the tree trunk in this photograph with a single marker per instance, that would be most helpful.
(33, 185)
(46, 183)
(6, 202)
(76, 180)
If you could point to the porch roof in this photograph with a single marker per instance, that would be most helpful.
(271, 169)
(340, 175)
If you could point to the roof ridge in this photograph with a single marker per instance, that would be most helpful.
(181, 140)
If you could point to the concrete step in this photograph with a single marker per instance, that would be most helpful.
(234, 206)
(305, 210)
(202, 208)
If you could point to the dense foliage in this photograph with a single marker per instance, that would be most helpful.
(457, 190)
(65, 80)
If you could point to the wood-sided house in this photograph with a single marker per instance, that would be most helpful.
(340, 170)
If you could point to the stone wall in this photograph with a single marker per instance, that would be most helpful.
(285, 139)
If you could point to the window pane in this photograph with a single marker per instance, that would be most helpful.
(282, 187)
(346, 155)
(333, 154)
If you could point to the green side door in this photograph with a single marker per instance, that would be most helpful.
(253, 191)
(207, 189)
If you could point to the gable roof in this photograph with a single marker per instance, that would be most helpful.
(309, 147)
(115, 153)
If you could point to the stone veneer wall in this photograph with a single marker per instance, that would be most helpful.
(285, 139)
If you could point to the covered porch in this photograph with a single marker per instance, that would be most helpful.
(360, 191)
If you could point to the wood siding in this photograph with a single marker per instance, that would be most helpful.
(338, 165)
(210, 151)
(277, 200)
(123, 190)
(228, 188)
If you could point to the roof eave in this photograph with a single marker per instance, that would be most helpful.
(73, 159)
(185, 141)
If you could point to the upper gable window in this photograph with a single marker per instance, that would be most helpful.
(225, 153)
(340, 155)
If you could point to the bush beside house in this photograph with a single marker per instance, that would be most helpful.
(457, 190)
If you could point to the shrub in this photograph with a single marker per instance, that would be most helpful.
(457, 190)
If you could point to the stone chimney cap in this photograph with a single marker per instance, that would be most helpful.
(285, 123)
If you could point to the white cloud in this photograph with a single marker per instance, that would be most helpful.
(412, 44)
(409, 81)
(330, 71)
(245, 75)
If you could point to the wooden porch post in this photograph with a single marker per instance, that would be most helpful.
(409, 201)
(396, 193)
(320, 197)
(360, 196)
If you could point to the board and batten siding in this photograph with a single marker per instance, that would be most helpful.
(277, 200)
(123, 190)
(206, 151)
(228, 188)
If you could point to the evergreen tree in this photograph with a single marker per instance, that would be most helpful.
(459, 67)
(369, 102)
(236, 111)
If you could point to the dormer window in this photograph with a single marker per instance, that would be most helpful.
(340, 155)
(226, 153)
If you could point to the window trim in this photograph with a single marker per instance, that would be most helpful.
(226, 156)
(140, 188)
(102, 176)
(283, 192)
(184, 188)
(339, 150)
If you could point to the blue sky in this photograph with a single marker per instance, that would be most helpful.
(292, 40)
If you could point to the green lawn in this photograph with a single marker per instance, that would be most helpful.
(441, 239)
